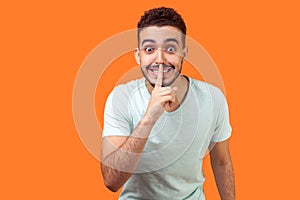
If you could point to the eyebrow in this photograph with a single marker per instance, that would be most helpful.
(148, 40)
(171, 40)
(166, 40)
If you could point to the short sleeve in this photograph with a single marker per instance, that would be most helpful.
(222, 130)
(116, 116)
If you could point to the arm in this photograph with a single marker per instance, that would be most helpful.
(223, 170)
(120, 155)
(122, 152)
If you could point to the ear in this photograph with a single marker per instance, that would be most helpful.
(137, 56)
(185, 52)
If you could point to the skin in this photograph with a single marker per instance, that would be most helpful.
(223, 170)
(169, 50)
(125, 151)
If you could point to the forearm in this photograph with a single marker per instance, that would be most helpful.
(118, 166)
(224, 177)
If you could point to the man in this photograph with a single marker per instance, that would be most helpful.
(157, 129)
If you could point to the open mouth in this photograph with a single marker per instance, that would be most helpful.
(167, 71)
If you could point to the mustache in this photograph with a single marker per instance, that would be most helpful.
(157, 66)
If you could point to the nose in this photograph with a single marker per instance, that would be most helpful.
(160, 57)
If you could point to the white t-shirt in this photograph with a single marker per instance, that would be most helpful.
(171, 164)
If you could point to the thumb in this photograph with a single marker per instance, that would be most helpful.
(175, 89)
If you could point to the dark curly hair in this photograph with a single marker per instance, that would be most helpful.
(161, 17)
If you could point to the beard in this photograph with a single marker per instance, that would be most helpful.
(175, 75)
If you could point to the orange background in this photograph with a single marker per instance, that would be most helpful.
(255, 45)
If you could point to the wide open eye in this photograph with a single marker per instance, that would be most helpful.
(170, 49)
(149, 50)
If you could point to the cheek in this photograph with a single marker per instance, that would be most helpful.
(176, 61)
(146, 61)
(172, 59)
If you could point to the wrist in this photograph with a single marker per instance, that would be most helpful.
(143, 128)
(146, 121)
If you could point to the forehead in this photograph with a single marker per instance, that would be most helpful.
(160, 34)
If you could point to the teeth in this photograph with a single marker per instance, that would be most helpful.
(156, 71)
(167, 70)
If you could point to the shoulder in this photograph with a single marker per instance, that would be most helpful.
(129, 88)
(206, 89)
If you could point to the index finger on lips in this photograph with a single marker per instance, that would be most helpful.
(159, 76)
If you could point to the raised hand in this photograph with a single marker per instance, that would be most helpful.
(162, 99)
